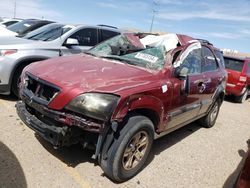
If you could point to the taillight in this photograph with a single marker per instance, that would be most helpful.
(243, 79)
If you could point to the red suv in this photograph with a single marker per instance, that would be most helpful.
(122, 94)
(238, 77)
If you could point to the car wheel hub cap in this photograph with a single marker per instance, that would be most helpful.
(135, 150)
(214, 113)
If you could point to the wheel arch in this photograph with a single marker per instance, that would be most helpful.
(24, 62)
(145, 105)
(219, 94)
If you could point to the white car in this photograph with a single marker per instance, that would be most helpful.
(9, 21)
(23, 27)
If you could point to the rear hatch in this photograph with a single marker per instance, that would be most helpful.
(234, 68)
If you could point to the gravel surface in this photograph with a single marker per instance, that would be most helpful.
(189, 157)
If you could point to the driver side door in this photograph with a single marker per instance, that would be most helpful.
(186, 101)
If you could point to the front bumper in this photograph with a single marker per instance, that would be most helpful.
(57, 136)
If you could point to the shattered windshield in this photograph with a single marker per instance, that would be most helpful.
(49, 32)
(127, 50)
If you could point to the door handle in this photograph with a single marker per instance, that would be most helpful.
(201, 87)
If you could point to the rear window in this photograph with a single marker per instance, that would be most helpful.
(233, 64)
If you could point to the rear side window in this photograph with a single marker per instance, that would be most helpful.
(219, 57)
(9, 23)
(86, 37)
(106, 34)
(209, 62)
(233, 64)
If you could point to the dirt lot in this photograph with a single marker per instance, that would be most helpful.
(189, 157)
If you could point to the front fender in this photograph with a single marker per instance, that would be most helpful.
(138, 102)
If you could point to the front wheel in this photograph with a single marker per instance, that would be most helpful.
(210, 119)
(129, 150)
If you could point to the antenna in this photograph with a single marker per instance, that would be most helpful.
(154, 11)
(15, 9)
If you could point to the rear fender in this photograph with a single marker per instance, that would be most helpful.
(219, 94)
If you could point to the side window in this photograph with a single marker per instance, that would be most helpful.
(192, 62)
(106, 34)
(86, 37)
(209, 62)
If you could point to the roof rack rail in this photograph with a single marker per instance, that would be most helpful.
(204, 41)
(103, 25)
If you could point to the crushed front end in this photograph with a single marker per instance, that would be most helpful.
(59, 127)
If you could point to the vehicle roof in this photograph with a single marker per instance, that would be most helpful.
(237, 58)
(106, 27)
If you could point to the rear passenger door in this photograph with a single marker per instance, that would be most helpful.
(212, 77)
(106, 34)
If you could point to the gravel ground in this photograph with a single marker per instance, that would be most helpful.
(189, 157)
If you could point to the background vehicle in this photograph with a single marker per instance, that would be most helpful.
(243, 180)
(122, 94)
(23, 27)
(8, 22)
(238, 77)
(52, 40)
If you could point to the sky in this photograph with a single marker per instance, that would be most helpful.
(225, 23)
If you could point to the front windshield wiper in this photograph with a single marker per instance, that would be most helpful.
(89, 53)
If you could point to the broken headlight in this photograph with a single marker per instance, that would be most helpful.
(95, 105)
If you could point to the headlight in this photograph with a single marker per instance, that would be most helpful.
(7, 52)
(95, 105)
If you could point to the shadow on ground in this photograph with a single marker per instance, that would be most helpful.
(171, 139)
(9, 97)
(11, 172)
(231, 98)
(231, 180)
(72, 156)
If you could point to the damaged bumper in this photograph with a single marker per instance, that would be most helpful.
(57, 136)
(61, 130)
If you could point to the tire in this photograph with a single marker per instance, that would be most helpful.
(209, 120)
(136, 135)
(16, 80)
(241, 98)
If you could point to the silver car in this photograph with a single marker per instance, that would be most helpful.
(52, 40)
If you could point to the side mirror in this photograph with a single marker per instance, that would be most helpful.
(181, 72)
(71, 42)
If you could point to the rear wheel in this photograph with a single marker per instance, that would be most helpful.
(210, 119)
(129, 150)
(242, 98)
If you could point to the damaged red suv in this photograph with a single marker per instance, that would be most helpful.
(238, 77)
(122, 94)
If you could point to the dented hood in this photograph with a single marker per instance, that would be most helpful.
(84, 73)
